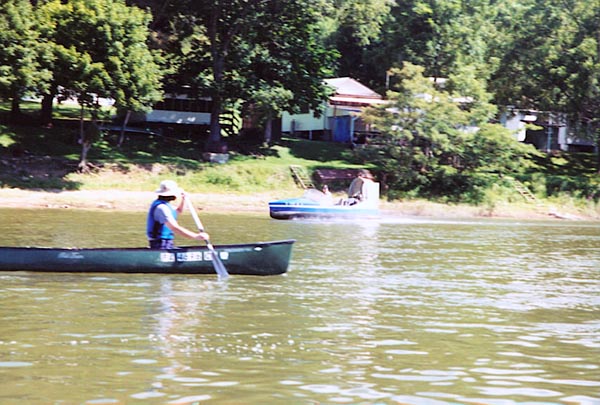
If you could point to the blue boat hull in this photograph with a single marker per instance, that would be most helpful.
(293, 208)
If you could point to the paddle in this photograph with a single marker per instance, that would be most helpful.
(216, 260)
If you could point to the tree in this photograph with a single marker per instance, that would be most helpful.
(433, 143)
(20, 53)
(267, 104)
(440, 35)
(571, 80)
(100, 50)
(286, 63)
(228, 50)
(357, 27)
(551, 61)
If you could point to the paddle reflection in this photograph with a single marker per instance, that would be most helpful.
(182, 310)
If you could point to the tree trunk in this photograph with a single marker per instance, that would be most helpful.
(46, 111)
(81, 128)
(15, 109)
(83, 164)
(598, 151)
(85, 144)
(125, 122)
(214, 138)
(218, 67)
(215, 126)
(268, 129)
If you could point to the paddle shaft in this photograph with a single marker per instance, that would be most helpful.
(217, 263)
(194, 215)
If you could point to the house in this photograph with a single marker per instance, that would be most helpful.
(339, 121)
(549, 130)
(182, 109)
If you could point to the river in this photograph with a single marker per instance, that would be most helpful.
(394, 311)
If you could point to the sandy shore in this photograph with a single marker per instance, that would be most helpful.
(230, 203)
(124, 200)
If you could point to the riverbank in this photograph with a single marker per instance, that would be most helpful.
(230, 203)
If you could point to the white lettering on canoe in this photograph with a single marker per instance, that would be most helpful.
(167, 257)
(189, 257)
(222, 255)
(70, 255)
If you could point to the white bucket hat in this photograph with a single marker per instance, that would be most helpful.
(168, 188)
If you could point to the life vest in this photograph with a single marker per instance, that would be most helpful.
(156, 230)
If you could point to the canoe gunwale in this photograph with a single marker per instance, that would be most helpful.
(145, 249)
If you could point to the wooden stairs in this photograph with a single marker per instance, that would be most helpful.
(301, 177)
(524, 191)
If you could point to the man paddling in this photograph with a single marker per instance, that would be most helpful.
(358, 190)
(161, 224)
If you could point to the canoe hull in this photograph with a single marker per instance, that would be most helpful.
(260, 259)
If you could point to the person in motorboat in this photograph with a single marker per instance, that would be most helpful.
(327, 196)
(358, 190)
(161, 224)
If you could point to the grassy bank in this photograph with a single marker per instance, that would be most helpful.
(32, 157)
(40, 164)
(140, 165)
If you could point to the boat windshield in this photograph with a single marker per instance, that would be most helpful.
(316, 195)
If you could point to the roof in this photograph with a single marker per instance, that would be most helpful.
(357, 101)
(348, 87)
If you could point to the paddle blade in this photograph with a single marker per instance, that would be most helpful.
(217, 263)
(219, 266)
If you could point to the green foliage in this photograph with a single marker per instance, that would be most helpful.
(7, 137)
(274, 55)
(268, 102)
(494, 149)
(551, 62)
(353, 27)
(426, 143)
(362, 20)
(264, 53)
(100, 50)
(568, 173)
(20, 51)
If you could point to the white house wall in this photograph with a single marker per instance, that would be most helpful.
(514, 122)
(515, 125)
(178, 117)
(308, 122)
(304, 122)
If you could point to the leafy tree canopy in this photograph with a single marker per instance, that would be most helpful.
(433, 144)
(100, 50)
(244, 50)
(20, 52)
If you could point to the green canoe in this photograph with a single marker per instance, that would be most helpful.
(260, 259)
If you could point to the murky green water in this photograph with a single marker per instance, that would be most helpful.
(398, 311)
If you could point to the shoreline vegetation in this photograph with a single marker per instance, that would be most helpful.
(124, 178)
(120, 200)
